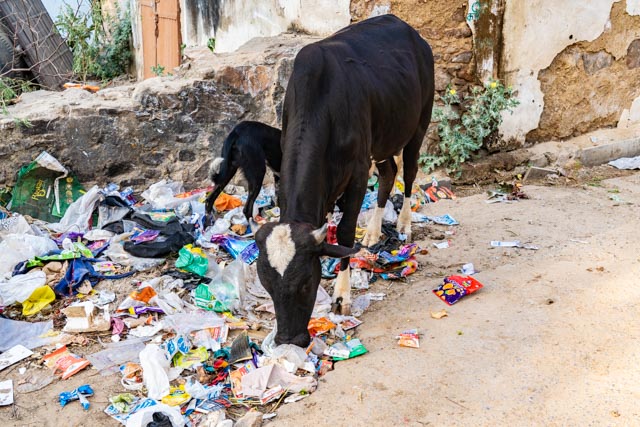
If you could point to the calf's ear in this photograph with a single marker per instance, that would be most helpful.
(337, 251)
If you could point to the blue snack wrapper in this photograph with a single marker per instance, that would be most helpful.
(247, 250)
(78, 394)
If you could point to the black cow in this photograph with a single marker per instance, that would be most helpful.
(364, 93)
(250, 147)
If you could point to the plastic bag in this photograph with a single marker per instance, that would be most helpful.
(19, 288)
(155, 363)
(116, 253)
(78, 215)
(193, 260)
(163, 195)
(108, 360)
(39, 299)
(360, 304)
(14, 225)
(144, 416)
(290, 356)
(184, 323)
(359, 279)
(13, 332)
(16, 248)
(390, 214)
(226, 286)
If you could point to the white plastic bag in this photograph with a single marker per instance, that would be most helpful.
(185, 323)
(79, 213)
(390, 214)
(14, 225)
(155, 364)
(116, 253)
(161, 195)
(226, 286)
(359, 279)
(144, 416)
(16, 248)
(19, 288)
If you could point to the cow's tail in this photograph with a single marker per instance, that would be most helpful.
(221, 165)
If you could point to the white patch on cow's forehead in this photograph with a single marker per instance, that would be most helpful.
(215, 165)
(280, 248)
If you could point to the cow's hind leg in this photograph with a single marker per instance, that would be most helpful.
(387, 171)
(350, 204)
(410, 157)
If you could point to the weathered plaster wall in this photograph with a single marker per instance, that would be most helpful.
(233, 23)
(590, 83)
(535, 32)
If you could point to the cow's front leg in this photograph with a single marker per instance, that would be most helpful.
(374, 228)
(404, 219)
(349, 204)
(342, 290)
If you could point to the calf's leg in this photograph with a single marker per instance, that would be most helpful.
(255, 177)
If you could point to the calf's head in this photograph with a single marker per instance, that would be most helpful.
(289, 269)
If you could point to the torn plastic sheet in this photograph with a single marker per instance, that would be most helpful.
(13, 332)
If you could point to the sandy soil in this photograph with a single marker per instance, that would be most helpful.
(552, 339)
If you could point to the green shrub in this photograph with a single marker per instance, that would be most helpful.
(462, 134)
(95, 53)
(10, 89)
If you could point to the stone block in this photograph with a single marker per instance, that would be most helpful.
(536, 173)
(601, 154)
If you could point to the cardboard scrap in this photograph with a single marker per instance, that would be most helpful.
(14, 355)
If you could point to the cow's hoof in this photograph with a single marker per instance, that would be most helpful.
(345, 310)
(339, 307)
(371, 239)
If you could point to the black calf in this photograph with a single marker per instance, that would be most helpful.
(249, 147)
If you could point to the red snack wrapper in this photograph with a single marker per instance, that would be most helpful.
(456, 287)
(64, 363)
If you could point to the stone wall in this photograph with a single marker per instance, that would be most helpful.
(164, 127)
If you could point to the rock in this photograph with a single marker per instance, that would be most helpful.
(541, 160)
(535, 173)
(442, 79)
(138, 134)
(633, 54)
(464, 57)
(594, 62)
(250, 419)
(484, 170)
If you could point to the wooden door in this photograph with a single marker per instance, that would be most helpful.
(160, 35)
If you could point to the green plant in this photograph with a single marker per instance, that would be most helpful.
(158, 70)
(211, 44)
(96, 53)
(10, 89)
(462, 134)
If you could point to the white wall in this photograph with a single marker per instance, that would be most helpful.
(242, 20)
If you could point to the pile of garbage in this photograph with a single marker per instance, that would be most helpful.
(174, 307)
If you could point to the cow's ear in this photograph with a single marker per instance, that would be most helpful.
(337, 251)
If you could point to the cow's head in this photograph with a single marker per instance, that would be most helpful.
(289, 269)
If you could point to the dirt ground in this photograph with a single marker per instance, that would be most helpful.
(552, 338)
